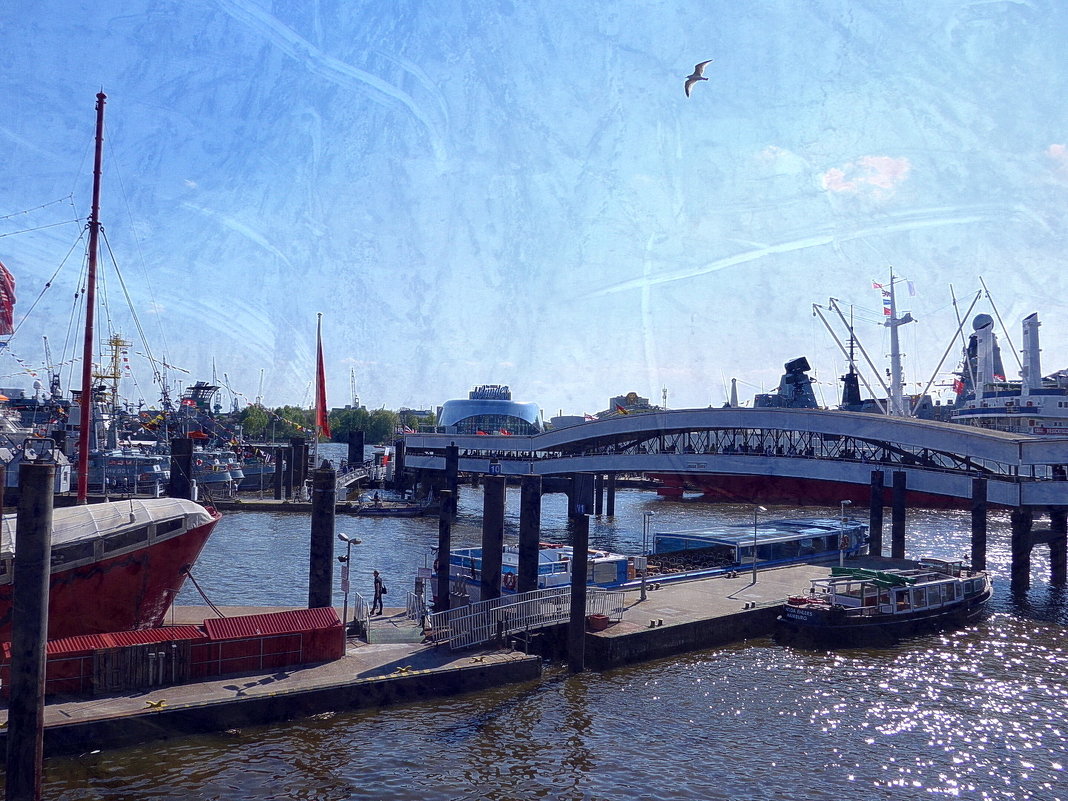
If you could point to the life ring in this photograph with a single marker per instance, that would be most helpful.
(200, 462)
(509, 581)
(843, 544)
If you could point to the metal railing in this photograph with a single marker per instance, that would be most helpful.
(361, 613)
(415, 608)
(524, 612)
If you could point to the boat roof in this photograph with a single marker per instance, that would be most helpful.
(768, 531)
(75, 523)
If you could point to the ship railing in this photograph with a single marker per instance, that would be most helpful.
(484, 621)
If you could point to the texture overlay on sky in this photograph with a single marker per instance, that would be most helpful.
(521, 193)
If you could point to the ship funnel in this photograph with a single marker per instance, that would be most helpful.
(1032, 367)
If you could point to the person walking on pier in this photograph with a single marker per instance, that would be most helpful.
(380, 590)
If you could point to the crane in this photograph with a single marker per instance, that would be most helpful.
(53, 373)
(352, 388)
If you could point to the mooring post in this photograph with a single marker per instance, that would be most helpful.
(400, 483)
(598, 494)
(492, 536)
(576, 632)
(356, 448)
(1020, 570)
(29, 634)
(321, 562)
(610, 505)
(287, 477)
(181, 484)
(979, 508)
(897, 516)
(875, 514)
(529, 532)
(1058, 546)
(445, 513)
(452, 472)
(279, 473)
(299, 448)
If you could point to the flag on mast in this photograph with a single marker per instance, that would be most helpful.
(322, 419)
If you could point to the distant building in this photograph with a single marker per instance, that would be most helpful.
(627, 404)
(489, 409)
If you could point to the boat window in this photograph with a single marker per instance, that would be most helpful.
(5, 568)
(125, 538)
(902, 600)
(74, 552)
(168, 527)
(919, 597)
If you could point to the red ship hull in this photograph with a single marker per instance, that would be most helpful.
(132, 590)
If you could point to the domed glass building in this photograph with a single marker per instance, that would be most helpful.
(489, 409)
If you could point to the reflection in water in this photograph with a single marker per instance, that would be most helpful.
(976, 714)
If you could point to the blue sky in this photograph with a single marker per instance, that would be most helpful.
(520, 193)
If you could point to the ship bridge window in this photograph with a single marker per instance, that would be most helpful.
(168, 527)
(5, 569)
(75, 552)
(124, 539)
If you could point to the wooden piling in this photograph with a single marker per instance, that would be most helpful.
(529, 532)
(875, 514)
(1058, 546)
(181, 483)
(445, 514)
(576, 632)
(979, 518)
(492, 536)
(897, 516)
(1020, 569)
(29, 635)
(321, 561)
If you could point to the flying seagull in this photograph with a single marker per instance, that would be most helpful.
(698, 75)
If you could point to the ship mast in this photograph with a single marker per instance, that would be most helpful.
(897, 402)
(90, 306)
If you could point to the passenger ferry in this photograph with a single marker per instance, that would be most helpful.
(858, 605)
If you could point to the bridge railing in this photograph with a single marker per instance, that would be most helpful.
(481, 622)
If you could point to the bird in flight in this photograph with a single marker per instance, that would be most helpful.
(698, 75)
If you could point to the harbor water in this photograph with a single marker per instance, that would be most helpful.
(980, 713)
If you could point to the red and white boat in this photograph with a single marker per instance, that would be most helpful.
(116, 566)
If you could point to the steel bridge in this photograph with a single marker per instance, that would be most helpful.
(774, 455)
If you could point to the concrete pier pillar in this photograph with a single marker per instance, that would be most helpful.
(29, 634)
(897, 516)
(875, 514)
(529, 532)
(445, 514)
(181, 485)
(1020, 570)
(492, 536)
(576, 631)
(321, 561)
(979, 510)
(598, 494)
(1058, 546)
(610, 504)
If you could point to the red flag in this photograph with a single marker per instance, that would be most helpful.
(322, 419)
(7, 301)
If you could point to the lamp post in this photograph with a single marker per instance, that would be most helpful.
(645, 551)
(345, 561)
(756, 509)
(843, 542)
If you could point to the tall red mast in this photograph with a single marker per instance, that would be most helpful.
(90, 307)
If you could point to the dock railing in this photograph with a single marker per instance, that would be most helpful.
(483, 621)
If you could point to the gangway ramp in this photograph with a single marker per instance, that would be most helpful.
(483, 621)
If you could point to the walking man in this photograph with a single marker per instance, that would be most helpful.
(380, 590)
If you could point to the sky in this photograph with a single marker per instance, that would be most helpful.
(520, 193)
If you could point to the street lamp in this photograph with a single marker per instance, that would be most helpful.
(843, 541)
(645, 551)
(755, 510)
(345, 561)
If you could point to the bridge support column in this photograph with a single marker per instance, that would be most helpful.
(529, 532)
(492, 536)
(1058, 546)
(580, 496)
(610, 509)
(875, 514)
(576, 631)
(979, 508)
(897, 516)
(445, 517)
(1020, 569)
(598, 494)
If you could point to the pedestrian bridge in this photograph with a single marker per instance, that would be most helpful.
(774, 455)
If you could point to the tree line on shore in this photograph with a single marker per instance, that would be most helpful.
(378, 425)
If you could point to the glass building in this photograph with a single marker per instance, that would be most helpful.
(489, 409)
